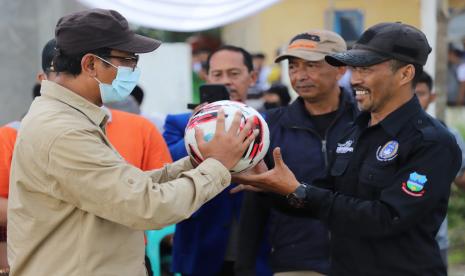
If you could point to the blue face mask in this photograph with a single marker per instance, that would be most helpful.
(121, 87)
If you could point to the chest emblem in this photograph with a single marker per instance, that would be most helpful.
(388, 151)
(415, 184)
(345, 147)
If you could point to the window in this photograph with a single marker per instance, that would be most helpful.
(348, 23)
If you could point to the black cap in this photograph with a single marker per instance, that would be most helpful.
(383, 42)
(97, 28)
(48, 52)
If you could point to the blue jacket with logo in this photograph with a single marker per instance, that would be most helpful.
(298, 242)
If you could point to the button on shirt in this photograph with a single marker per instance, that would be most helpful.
(386, 194)
(76, 207)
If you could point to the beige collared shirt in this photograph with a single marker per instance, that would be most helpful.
(76, 207)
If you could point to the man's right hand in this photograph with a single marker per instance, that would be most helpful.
(280, 179)
(257, 169)
(226, 146)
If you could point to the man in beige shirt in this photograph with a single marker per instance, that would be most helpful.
(75, 206)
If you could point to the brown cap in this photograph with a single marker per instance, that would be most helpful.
(314, 45)
(97, 28)
(385, 41)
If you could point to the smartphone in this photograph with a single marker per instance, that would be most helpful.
(211, 93)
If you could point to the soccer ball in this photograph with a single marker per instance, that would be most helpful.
(205, 119)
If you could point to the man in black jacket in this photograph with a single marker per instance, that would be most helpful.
(388, 186)
(307, 132)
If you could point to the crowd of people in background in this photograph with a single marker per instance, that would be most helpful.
(86, 172)
(456, 75)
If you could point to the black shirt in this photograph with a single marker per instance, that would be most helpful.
(386, 194)
(323, 121)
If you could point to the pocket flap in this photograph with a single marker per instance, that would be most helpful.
(339, 166)
(376, 176)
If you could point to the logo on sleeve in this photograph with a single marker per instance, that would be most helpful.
(388, 151)
(415, 184)
(345, 147)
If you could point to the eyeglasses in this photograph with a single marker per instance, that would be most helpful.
(130, 62)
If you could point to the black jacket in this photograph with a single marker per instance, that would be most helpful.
(298, 242)
(387, 193)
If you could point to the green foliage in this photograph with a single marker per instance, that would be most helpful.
(456, 216)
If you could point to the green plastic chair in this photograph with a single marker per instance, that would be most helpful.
(152, 250)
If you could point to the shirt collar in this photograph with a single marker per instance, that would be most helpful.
(298, 115)
(108, 112)
(396, 119)
(62, 94)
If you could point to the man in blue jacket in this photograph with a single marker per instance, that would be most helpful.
(306, 131)
(206, 243)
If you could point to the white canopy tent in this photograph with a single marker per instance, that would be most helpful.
(182, 15)
(166, 76)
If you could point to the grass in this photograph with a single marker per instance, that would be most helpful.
(456, 212)
(456, 216)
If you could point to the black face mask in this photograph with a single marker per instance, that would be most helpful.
(271, 105)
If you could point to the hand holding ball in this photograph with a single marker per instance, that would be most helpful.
(206, 120)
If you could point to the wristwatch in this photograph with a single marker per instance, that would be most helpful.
(297, 198)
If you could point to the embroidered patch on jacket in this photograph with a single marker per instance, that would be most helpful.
(415, 184)
(388, 151)
(345, 147)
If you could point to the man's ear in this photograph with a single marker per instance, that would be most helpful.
(407, 73)
(40, 77)
(253, 76)
(88, 65)
(341, 70)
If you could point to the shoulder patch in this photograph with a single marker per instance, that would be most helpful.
(415, 184)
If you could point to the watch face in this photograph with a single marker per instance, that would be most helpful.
(297, 198)
(296, 202)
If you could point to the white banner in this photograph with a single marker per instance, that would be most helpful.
(182, 15)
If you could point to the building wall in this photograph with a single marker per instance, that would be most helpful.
(457, 4)
(273, 27)
(25, 25)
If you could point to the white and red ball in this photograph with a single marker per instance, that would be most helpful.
(205, 119)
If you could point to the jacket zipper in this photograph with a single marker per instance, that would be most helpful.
(323, 142)
(324, 147)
